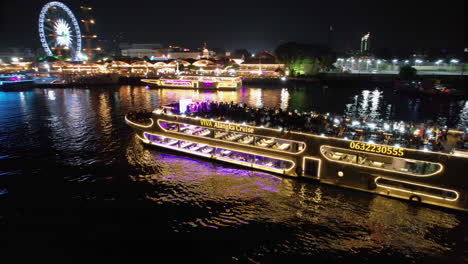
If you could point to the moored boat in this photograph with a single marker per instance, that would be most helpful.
(197, 82)
(345, 154)
(427, 88)
(9, 82)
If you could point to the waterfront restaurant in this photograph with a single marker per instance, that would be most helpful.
(81, 68)
(264, 67)
(174, 63)
(142, 67)
(209, 67)
(15, 66)
(120, 67)
(162, 67)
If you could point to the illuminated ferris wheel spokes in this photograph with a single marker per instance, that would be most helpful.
(59, 31)
(63, 37)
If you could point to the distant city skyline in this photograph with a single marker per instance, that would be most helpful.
(255, 26)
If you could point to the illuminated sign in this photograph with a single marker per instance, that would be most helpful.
(387, 150)
(153, 58)
(225, 126)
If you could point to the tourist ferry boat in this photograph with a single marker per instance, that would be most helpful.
(48, 79)
(197, 82)
(15, 82)
(421, 176)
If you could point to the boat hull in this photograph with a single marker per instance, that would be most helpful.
(16, 86)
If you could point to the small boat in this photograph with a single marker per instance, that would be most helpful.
(196, 82)
(49, 79)
(12, 82)
(426, 89)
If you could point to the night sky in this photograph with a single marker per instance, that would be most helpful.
(255, 25)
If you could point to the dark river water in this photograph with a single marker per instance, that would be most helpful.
(75, 182)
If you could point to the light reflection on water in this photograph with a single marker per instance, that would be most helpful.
(318, 217)
(81, 134)
(362, 103)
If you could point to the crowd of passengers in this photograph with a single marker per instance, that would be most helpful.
(409, 135)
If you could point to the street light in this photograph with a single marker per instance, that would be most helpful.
(378, 63)
(452, 62)
(406, 61)
(394, 61)
(340, 60)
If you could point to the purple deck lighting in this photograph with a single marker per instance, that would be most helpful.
(208, 84)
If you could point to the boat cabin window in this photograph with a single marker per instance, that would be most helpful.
(234, 155)
(162, 140)
(206, 150)
(442, 193)
(169, 126)
(416, 167)
(273, 163)
(230, 136)
(279, 144)
(196, 147)
(234, 137)
(195, 130)
(257, 160)
(174, 143)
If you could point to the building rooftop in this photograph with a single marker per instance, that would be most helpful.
(257, 60)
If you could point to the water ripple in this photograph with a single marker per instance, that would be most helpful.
(70, 149)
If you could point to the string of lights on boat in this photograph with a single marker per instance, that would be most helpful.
(397, 132)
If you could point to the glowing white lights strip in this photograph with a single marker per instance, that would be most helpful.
(149, 81)
(441, 167)
(237, 143)
(243, 163)
(319, 166)
(138, 125)
(187, 84)
(248, 164)
(418, 193)
(143, 139)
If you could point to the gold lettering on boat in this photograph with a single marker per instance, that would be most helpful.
(387, 150)
(226, 126)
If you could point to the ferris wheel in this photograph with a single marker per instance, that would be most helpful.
(59, 31)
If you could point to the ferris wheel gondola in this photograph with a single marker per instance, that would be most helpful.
(59, 31)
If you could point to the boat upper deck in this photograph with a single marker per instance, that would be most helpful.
(425, 136)
(11, 78)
